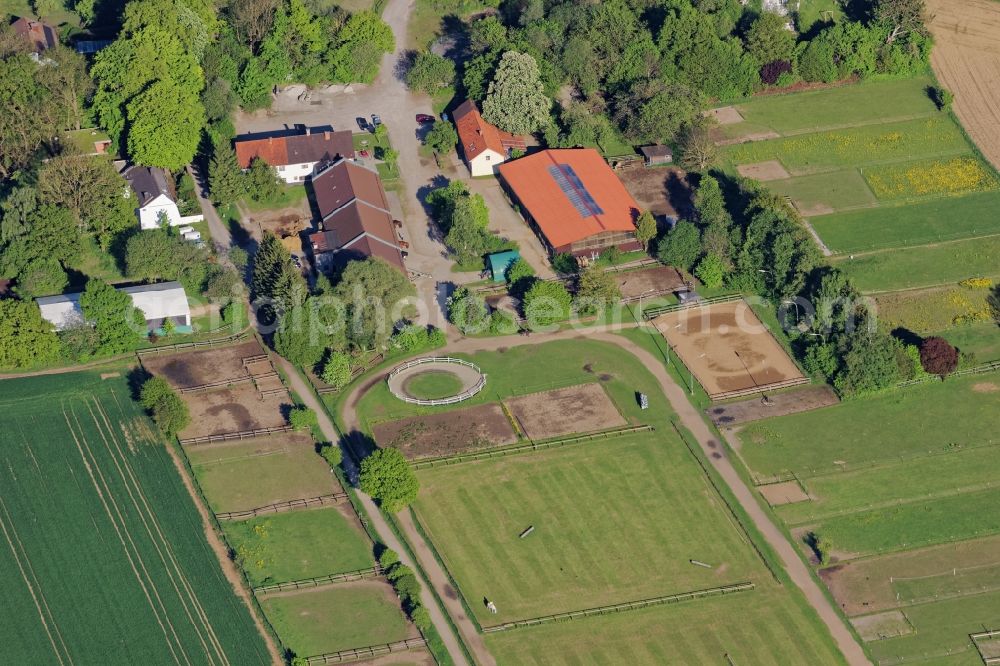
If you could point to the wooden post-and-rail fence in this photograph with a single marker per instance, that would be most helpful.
(280, 507)
(370, 652)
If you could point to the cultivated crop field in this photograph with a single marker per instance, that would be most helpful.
(966, 58)
(103, 552)
(900, 496)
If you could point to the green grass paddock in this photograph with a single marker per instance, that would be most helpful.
(616, 520)
(983, 340)
(339, 617)
(884, 143)
(98, 522)
(923, 266)
(911, 224)
(877, 428)
(432, 385)
(762, 627)
(298, 545)
(838, 189)
(841, 106)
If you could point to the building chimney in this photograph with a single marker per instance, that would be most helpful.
(326, 135)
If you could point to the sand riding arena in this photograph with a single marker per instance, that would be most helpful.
(728, 349)
(467, 378)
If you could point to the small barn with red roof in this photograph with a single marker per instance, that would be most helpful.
(484, 146)
(573, 200)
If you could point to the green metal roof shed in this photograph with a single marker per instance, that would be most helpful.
(500, 262)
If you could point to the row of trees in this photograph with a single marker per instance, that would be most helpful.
(647, 71)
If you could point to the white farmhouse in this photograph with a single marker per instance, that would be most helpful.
(158, 302)
(484, 147)
(157, 200)
(296, 157)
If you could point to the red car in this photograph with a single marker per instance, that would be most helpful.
(423, 118)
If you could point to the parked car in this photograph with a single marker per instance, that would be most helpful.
(423, 118)
(376, 121)
(362, 123)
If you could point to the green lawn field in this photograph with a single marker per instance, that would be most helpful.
(843, 106)
(983, 340)
(614, 521)
(298, 545)
(923, 266)
(104, 558)
(952, 414)
(286, 471)
(964, 470)
(883, 143)
(834, 190)
(434, 385)
(899, 226)
(533, 368)
(339, 617)
(920, 523)
(759, 628)
(942, 631)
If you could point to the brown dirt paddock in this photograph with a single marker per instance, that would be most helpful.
(282, 468)
(788, 492)
(197, 368)
(966, 59)
(882, 625)
(659, 278)
(447, 433)
(726, 347)
(233, 410)
(786, 402)
(660, 190)
(764, 171)
(565, 411)
(871, 585)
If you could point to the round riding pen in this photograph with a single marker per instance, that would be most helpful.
(466, 377)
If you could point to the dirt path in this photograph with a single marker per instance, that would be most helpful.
(692, 420)
(222, 553)
(382, 528)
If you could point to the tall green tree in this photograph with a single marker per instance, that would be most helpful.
(374, 294)
(645, 228)
(25, 118)
(596, 290)
(226, 182)
(359, 47)
(120, 325)
(515, 101)
(301, 337)
(768, 39)
(441, 138)
(163, 403)
(386, 475)
(149, 81)
(681, 246)
(262, 181)
(92, 190)
(546, 302)
(25, 338)
(430, 73)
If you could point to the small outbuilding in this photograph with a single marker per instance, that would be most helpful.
(657, 155)
(500, 262)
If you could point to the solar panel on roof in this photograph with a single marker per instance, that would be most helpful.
(575, 190)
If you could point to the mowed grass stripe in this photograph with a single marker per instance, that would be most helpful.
(914, 223)
(83, 568)
(952, 413)
(763, 627)
(632, 493)
(916, 524)
(962, 471)
(930, 265)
